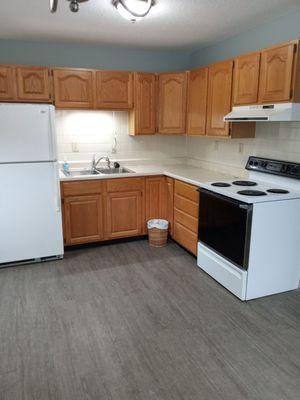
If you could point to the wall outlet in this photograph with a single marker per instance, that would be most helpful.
(75, 147)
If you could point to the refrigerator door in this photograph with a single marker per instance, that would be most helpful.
(30, 213)
(27, 133)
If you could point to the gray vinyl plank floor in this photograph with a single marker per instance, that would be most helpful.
(129, 322)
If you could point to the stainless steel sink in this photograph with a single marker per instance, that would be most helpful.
(80, 172)
(120, 170)
(99, 171)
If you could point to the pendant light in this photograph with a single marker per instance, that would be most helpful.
(133, 10)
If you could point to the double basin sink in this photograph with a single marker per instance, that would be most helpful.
(99, 171)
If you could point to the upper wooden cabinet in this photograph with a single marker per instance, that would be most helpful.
(219, 98)
(172, 102)
(197, 102)
(143, 116)
(7, 83)
(277, 73)
(246, 79)
(114, 90)
(33, 84)
(73, 88)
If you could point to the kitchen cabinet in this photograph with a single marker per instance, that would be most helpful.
(186, 210)
(142, 119)
(124, 207)
(246, 79)
(114, 90)
(83, 211)
(197, 102)
(155, 197)
(83, 219)
(172, 102)
(219, 98)
(277, 73)
(33, 84)
(7, 83)
(73, 88)
(168, 205)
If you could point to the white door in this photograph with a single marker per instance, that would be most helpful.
(27, 133)
(30, 214)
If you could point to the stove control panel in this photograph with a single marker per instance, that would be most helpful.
(275, 167)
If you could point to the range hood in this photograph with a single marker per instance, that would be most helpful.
(265, 112)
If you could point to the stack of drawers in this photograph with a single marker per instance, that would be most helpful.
(186, 209)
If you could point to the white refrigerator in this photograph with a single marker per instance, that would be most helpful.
(30, 207)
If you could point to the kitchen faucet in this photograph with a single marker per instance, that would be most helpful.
(95, 163)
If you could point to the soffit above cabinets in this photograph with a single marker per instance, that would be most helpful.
(172, 24)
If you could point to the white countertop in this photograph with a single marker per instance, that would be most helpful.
(194, 175)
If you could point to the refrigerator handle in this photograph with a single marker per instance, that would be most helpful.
(57, 199)
(52, 133)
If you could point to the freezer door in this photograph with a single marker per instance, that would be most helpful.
(27, 133)
(30, 214)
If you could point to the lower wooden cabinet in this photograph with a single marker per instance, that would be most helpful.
(186, 209)
(124, 214)
(168, 205)
(155, 192)
(83, 217)
(96, 210)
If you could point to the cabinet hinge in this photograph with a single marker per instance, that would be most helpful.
(291, 93)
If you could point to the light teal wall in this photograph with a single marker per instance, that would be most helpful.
(282, 29)
(109, 57)
(91, 56)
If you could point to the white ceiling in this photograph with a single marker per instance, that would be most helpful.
(170, 24)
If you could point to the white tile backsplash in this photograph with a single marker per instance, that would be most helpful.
(273, 140)
(92, 132)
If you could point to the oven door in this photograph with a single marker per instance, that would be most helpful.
(225, 226)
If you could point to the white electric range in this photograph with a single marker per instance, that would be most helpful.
(249, 230)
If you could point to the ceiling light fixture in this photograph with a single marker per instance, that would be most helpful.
(133, 10)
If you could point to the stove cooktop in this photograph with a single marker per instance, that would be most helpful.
(257, 191)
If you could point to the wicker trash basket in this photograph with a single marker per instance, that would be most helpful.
(157, 232)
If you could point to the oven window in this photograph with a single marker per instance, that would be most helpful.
(224, 226)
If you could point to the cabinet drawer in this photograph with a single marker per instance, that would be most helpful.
(186, 220)
(186, 190)
(185, 237)
(125, 185)
(185, 205)
(77, 188)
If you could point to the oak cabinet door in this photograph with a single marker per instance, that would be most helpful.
(197, 102)
(219, 98)
(33, 84)
(124, 214)
(114, 90)
(246, 79)
(83, 219)
(143, 116)
(73, 88)
(172, 102)
(155, 197)
(7, 83)
(168, 206)
(276, 74)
